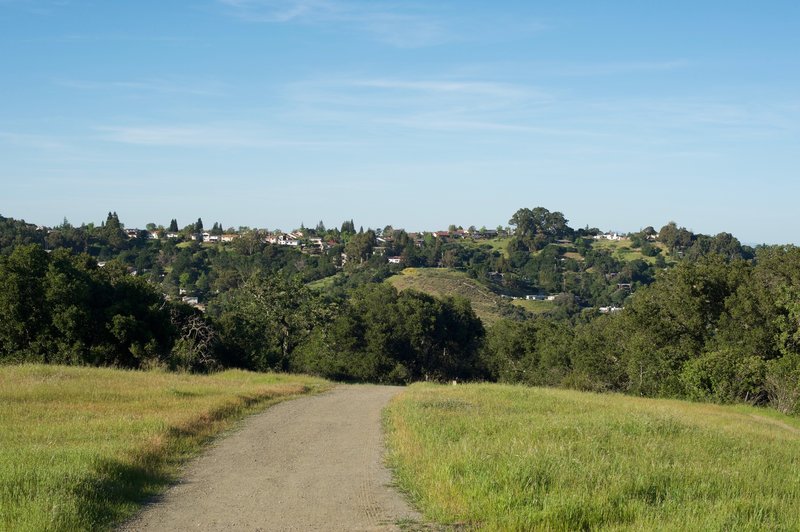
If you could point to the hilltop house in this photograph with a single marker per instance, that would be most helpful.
(609, 236)
(283, 239)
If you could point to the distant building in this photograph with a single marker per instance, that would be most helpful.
(609, 236)
(283, 239)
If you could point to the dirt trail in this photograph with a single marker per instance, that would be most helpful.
(314, 463)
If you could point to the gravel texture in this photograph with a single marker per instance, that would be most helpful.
(314, 463)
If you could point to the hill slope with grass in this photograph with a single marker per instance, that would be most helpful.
(500, 457)
(489, 306)
(623, 250)
(82, 448)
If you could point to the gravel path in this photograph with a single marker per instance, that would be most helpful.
(314, 463)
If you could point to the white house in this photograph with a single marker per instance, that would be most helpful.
(283, 239)
(609, 236)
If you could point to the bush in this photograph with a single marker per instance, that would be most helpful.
(724, 376)
(782, 383)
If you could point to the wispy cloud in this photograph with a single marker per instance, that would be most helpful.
(477, 88)
(202, 136)
(281, 10)
(428, 104)
(487, 110)
(37, 7)
(155, 86)
(610, 68)
(726, 118)
(402, 25)
(28, 140)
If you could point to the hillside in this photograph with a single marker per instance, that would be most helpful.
(494, 457)
(489, 306)
(624, 251)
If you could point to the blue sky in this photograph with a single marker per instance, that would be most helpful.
(415, 114)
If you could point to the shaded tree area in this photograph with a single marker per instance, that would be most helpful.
(18, 233)
(62, 308)
(378, 334)
(715, 329)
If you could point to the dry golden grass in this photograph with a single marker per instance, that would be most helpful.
(81, 448)
(447, 282)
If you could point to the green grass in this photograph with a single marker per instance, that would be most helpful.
(623, 250)
(81, 448)
(323, 284)
(494, 457)
(535, 307)
(447, 282)
(494, 244)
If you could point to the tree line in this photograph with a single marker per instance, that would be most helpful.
(704, 317)
(714, 329)
(62, 307)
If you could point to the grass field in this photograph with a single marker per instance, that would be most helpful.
(535, 307)
(448, 282)
(623, 250)
(80, 448)
(326, 282)
(495, 457)
(494, 244)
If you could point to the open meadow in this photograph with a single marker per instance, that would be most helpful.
(81, 448)
(496, 457)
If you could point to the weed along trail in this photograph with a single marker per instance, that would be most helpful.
(314, 463)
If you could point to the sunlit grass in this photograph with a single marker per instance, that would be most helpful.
(498, 457)
(535, 307)
(499, 244)
(442, 282)
(80, 448)
(323, 284)
(623, 250)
